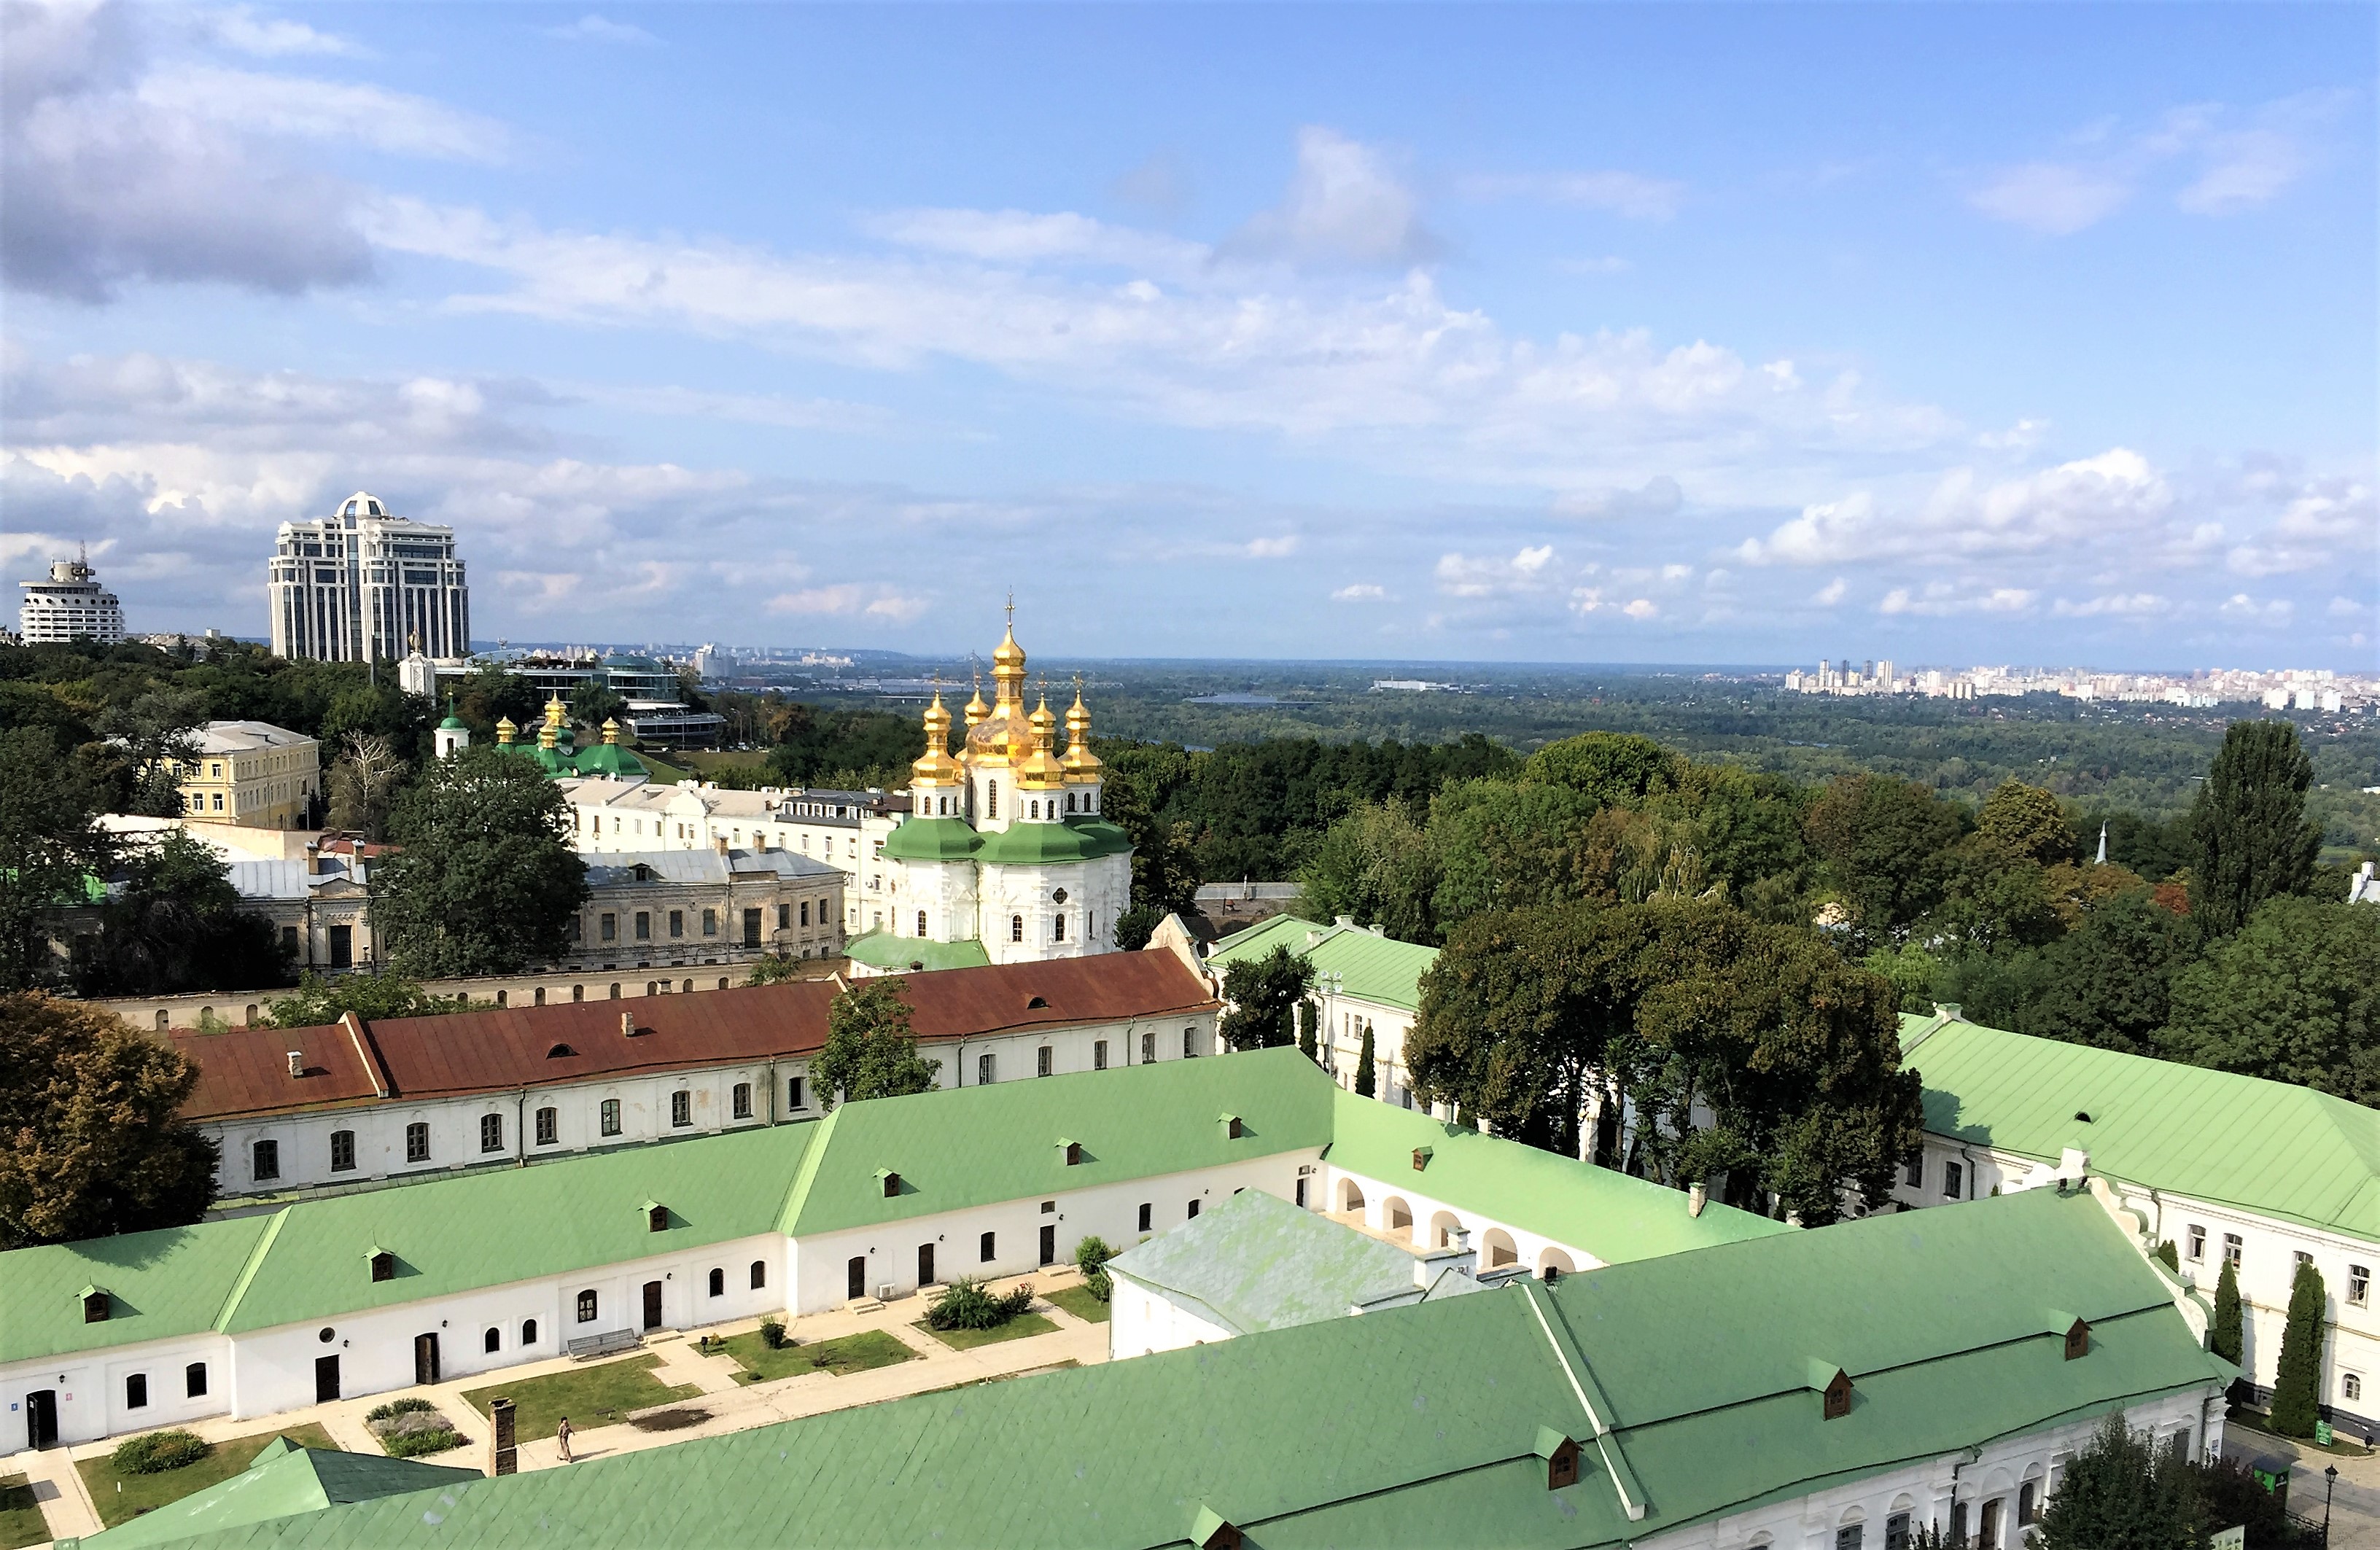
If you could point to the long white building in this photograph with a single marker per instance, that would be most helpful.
(364, 584)
(71, 605)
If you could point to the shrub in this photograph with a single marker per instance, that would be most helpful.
(2168, 1256)
(413, 1445)
(966, 1304)
(1091, 1257)
(406, 1406)
(157, 1452)
(772, 1334)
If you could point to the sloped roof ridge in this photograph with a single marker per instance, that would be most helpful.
(240, 1283)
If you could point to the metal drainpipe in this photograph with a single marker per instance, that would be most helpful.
(520, 1135)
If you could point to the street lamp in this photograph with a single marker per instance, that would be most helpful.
(1329, 982)
(2329, 1483)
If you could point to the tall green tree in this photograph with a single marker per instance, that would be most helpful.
(1376, 865)
(1309, 1044)
(1884, 844)
(159, 733)
(2298, 1380)
(1501, 846)
(869, 1051)
(2294, 997)
(2249, 826)
(1610, 768)
(2028, 821)
(1368, 1081)
(51, 845)
(2108, 982)
(1264, 994)
(91, 1141)
(2124, 1492)
(2226, 1336)
(174, 922)
(486, 881)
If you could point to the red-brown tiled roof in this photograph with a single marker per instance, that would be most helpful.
(501, 1049)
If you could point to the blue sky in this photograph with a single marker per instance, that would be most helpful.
(1724, 333)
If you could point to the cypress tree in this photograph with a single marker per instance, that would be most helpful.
(2249, 827)
(2296, 1395)
(1366, 1085)
(2168, 1256)
(2223, 1336)
(1307, 1044)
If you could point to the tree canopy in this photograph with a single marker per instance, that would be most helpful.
(1264, 995)
(174, 923)
(2249, 827)
(2124, 1490)
(486, 881)
(92, 1142)
(869, 1051)
(2294, 997)
(50, 844)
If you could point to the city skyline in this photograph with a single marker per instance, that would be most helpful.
(1577, 335)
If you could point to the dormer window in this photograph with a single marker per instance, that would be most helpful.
(891, 1181)
(2078, 1340)
(1838, 1397)
(1232, 1126)
(656, 1216)
(384, 1266)
(560, 1052)
(1421, 1156)
(1038, 1003)
(1074, 1151)
(1560, 1455)
(97, 1307)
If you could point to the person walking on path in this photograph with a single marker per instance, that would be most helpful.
(562, 1436)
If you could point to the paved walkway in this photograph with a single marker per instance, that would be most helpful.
(732, 1407)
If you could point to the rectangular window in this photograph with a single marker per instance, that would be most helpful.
(805, 912)
(1041, 1058)
(2302, 1259)
(1145, 1210)
(194, 1381)
(265, 1160)
(1194, 1211)
(743, 1100)
(677, 923)
(135, 1391)
(983, 1248)
(1912, 1170)
(1189, 1044)
(492, 1132)
(342, 1151)
(1954, 1181)
(416, 1143)
(984, 1067)
(289, 940)
(784, 917)
(752, 927)
(1098, 1054)
(1896, 1532)
(792, 1092)
(1148, 1050)
(681, 1108)
(2196, 1250)
(2359, 1284)
(644, 926)
(549, 1126)
(710, 923)
(2231, 1250)
(1848, 1536)
(609, 927)
(610, 1113)
(2351, 1386)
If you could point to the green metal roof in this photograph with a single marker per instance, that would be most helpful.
(933, 839)
(1030, 844)
(173, 1281)
(965, 1147)
(1256, 1262)
(882, 950)
(1612, 1216)
(283, 1480)
(1377, 969)
(2266, 1146)
(1419, 1426)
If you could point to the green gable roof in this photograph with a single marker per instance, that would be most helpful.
(1029, 844)
(1610, 1214)
(933, 839)
(1419, 1424)
(161, 1284)
(966, 1146)
(2266, 1146)
(1377, 969)
(882, 950)
(1256, 1262)
(282, 1482)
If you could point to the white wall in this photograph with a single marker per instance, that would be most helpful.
(90, 1389)
(1925, 1490)
(1533, 1251)
(1142, 1319)
(1110, 1211)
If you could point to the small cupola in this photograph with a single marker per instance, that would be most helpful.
(1560, 1454)
(98, 1307)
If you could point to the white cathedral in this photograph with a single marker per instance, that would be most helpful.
(1004, 857)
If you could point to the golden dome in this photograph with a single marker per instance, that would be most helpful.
(1008, 653)
(611, 730)
(1082, 765)
(506, 730)
(1008, 666)
(556, 712)
(935, 766)
(975, 709)
(1040, 769)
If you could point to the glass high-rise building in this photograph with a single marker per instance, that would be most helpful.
(364, 584)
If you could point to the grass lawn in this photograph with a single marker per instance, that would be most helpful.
(20, 1515)
(1017, 1328)
(1079, 1301)
(853, 1353)
(596, 1395)
(2258, 1421)
(142, 1492)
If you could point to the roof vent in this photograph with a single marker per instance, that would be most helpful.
(2083, 1116)
(917, 962)
(297, 1062)
(1038, 1003)
(628, 1024)
(563, 1051)
(1421, 1157)
(656, 1216)
(1560, 1455)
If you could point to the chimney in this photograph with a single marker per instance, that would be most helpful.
(503, 1457)
(627, 1025)
(313, 858)
(1696, 1198)
(297, 1062)
(723, 844)
(1344, 922)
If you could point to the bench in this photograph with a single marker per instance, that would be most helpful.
(591, 1345)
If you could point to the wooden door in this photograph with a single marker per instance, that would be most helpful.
(1048, 1246)
(326, 1379)
(925, 1265)
(425, 1359)
(855, 1277)
(653, 1304)
(41, 1418)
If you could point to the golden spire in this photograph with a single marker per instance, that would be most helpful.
(1041, 770)
(556, 713)
(935, 766)
(975, 709)
(1008, 664)
(1082, 765)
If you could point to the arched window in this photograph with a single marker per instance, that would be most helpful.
(991, 799)
(921, 923)
(492, 1341)
(1058, 928)
(528, 1331)
(760, 1274)
(1016, 929)
(1033, 809)
(586, 1307)
(717, 1283)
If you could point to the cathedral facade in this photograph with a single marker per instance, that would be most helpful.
(1004, 857)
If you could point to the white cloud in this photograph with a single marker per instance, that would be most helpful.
(2324, 523)
(1941, 598)
(1831, 593)
(2087, 499)
(2114, 605)
(1658, 496)
(1362, 592)
(1465, 575)
(242, 28)
(1628, 194)
(2346, 607)
(1642, 609)
(2050, 198)
(293, 105)
(593, 29)
(1344, 205)
(1017, 237)
(1280, 548)
(2272, 613)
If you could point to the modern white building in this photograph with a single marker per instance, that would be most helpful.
(71, 605)
(364, 585)
(1004, 857)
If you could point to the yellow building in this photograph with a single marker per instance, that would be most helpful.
(252, 773)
